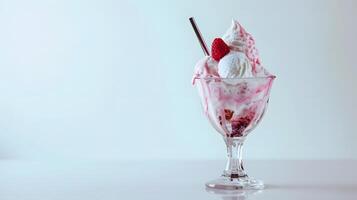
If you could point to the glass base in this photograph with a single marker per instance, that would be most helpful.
(241, 183)
(233, 194)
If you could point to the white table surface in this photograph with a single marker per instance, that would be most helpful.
(107, 180)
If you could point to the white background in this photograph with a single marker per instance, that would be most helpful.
(111, 79)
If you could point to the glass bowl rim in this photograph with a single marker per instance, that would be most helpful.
(239, 78)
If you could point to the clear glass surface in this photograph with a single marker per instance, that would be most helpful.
(234, 107)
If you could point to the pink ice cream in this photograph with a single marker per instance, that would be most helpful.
(233, 85)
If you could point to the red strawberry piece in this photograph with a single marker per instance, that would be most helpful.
(228, 114)
(239, 125)
(219, 49)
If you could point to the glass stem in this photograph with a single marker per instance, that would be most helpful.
(234, 167)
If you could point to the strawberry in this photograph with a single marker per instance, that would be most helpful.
(239, 125)
(228, 114)
(219, 49)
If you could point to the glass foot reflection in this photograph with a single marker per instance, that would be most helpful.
(233, 194)
(227, 183)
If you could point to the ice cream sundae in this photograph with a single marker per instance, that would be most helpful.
(234, 89)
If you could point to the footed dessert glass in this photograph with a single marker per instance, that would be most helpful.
(234, 106)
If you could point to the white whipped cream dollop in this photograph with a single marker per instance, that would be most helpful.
(240, 40)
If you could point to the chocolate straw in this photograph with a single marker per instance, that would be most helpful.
(199, 36)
